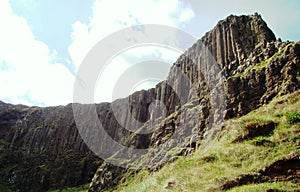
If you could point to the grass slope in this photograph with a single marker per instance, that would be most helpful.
(82, 188)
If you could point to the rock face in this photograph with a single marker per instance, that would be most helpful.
(235, 68)
(41, 149)
(262, 81)
(234, 39)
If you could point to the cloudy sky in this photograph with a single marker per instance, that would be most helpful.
(42, 43)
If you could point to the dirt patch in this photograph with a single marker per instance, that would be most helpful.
(254, 129)
(279, 171)
(283, 170)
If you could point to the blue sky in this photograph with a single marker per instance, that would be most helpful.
(50, 21)
(42, 43)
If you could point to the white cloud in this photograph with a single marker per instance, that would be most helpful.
(29, 76)
(186, 15)
(112, 15)
(123, 64)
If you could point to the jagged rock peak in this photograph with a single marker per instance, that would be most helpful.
(253, 23)
(244, 25)
(233, 39)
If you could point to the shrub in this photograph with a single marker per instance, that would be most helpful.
(293, 117)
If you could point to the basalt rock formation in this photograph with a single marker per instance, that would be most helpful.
(235, 68)
(42, 149)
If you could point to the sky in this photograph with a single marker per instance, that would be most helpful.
(43, 43)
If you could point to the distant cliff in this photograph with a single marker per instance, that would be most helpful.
(41, 149)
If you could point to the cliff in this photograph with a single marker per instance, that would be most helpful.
(41, 149)
(235, 68)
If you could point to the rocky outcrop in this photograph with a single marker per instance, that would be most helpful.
(236, 67)
(234, 39)
(263, 80)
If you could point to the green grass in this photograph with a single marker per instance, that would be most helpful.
(83, 188)
(293, 117)
(226, 159)
(3, 189)
(262, 141)
(4, 143)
